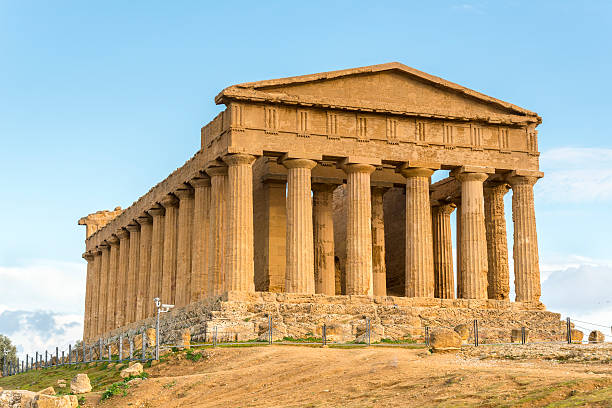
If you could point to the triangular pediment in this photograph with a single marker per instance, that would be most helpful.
(391, 87)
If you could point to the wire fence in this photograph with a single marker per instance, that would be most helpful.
(143, 347)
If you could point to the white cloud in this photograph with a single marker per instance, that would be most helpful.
(575, 175)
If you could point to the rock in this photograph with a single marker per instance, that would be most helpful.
(596, 337)
(49, 401)
(80, 384)
(577, 336)
(18, 398)
(186, 338)
(47, 391)
(463, 330)
(135, 381)
(74, 401)
(515, 335)
(134, 369)
(150, 337)
(445, 341)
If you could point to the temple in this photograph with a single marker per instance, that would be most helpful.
(321, 184)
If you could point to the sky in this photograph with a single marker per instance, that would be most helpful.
(99, 101)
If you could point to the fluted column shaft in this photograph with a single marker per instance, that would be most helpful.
(299, 272)
(217, 213)
(104, 284)
(121, 310)
(95, 299)
(157, 257)
(133, 282)
(201, 231)
(497, 243)
(444, 278)
(113, 283)
(184, 246)
(88, 294)
(458, 249)
(359, 280)
(525, 251)
(379, 269)
(168, 288)
(239, 263)
(145, 294)
(419, 249)
(474, 264)
(323, 235)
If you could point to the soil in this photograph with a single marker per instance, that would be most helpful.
(299, 376)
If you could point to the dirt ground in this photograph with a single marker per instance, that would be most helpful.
(298, 376)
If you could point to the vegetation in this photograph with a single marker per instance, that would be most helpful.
(121, 387)
(8, 352)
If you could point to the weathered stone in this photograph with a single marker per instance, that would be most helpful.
(48, 401)
(47, 391)
(80, 384)
(596, 337)
(133, 370)
(444, 341)
(16, 398)
(577, 336)
(186, 338)
(516, 335)
(463, 330)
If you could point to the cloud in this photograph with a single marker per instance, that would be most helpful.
(575, 175)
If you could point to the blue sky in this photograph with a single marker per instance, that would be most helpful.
(100, 101)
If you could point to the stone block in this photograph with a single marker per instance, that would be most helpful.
(463, 330)
(133, 370)
(444, 341)
(577, 336)
(80, 384)
(596, 337)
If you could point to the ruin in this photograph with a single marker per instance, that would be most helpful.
(319, 187)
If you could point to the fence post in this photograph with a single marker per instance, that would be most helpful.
(569, 331)
(22, 366)
(120, 347)
(427, 336)
(99, 349)
(476, 332)
(144, 343)
(131, 349)
(369, 328)
(523, 335)
(69, 354)
(324, 336)
(109, 353)
(269, 329)
(215, 337)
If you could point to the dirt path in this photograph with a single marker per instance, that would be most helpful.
(287, 376)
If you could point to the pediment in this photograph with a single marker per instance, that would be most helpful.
(389, 87)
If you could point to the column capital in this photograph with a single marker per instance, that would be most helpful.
(238, 159)
(443, 207)
(104, 245)
(184, 192)
(156, 211)
(97, 250)
(359, 168)
(133, 227)
(216, 169)
(495, 184)
(169, 201)
(144, 219)
(200, 182)
(113, 240)
(88, 256)
(299, 164)
(122, 233)
(521, 180)
(464, 176)
(416, 172)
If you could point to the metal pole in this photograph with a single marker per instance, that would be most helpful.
(63, 358)
(56, 356)
(131, 349)
(144, 343)
(270, 330)
(120, 347)
(475, 332)
(36, 367)
(99, 349)
(69, 354)
(369, 328)
(523, 336)
(569, 331)
(427, 336)
(46, 356)
(215, 337)
(157, 336)
(324, 336)
(109, 353)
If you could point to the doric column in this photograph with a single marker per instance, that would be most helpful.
(299, 272)
(379, 269)
(113, 283)
(444, 277)
(525, 251)
(95, 298)
(201, 231)
(419, 247)
(104, 285)
(240, 275)
(121, 306)
(217, 213)
(458, 249)
(168, 288)
(145, 295)
(184, 236)
(133, 274)
(474, 264)
(359, 280)
(87, 320)
(157, 257)
(323, 235)
(497, 242)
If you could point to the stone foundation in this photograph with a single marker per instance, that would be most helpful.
(242, 317)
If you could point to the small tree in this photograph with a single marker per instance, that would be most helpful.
(8, 352)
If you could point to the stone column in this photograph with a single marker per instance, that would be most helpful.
(184, 236)
(458, 249)
(95, 299)
(239, 266)
(157, 257)
(168, 288)
(525, 251)
(474, 264)
(133, 274)
(419, 246)
(359, 280)
(444, 276)
(121, 309)
(497, 242)
(218, 193)
(104, 285)
(379, 269)
(201, 231)
(323, 235)
(145, 296)
(113, 283)
(88, 256)
(299, 272)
